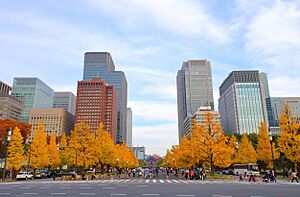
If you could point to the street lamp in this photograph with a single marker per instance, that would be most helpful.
(271, 142)
(7, 143)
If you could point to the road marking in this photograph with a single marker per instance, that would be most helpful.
(86, 188)
(126, 180)
(161, 181)
(169, 181)
(108, 187)
(175, 181)
(147, 181)
(150, 194)
(58, 193)
(30, 193)
(154, 181)
(220, 196)
(4, 193)
(45, 188)
(87, 194)
(185, 195)
(118, 194)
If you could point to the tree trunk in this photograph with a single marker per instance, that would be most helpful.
(212, 170)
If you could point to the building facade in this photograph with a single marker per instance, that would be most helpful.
(4, 88)
(33, 93)
(200, 117)
(97, 103)
(241, 103)
(101, 65)
(267, 99)
(278, 104)
(55, 120)
(66, 100)
(194, 90)
(10, 107)
(129, 127)
(140, 152)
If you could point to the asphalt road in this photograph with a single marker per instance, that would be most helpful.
(153, 187)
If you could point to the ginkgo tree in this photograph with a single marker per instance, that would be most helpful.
(39, 156)
(246, 152)
(289, 139)
(264, 151)
(207, 145)
(15, 152)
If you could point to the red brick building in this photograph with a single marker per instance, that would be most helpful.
(97, 102)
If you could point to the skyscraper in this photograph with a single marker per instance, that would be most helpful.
(101, 65)
(66, 100)
(278, 104)
(97, 103)
(267, 99)
(129, 127)
(241, 103)
(33, 93)
(194, 90)
(4, 88)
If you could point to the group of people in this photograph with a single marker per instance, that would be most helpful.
(244, 177)
(193, 174)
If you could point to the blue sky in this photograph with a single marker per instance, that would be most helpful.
(149, 40)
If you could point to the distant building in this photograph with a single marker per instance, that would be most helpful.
(33, 93)
(10, 107)
(55, 120)
(241, 102)
(278, 104)
(200, 117)
(4, 88)
(266, 99)
(139, 152)
(129, 127)
(101, 65)
(97, 103)
(66, 100)
(194, 90)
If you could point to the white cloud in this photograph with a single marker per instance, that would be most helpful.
(284, 86)
(273, 36)
(185, 17)
(154, 110)
(156, 138)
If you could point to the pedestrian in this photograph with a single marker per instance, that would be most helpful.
(241, 178)
(204, 174)
(273, 174)
(167, 176)
(133, 172)
(294, 177)
(54, 175)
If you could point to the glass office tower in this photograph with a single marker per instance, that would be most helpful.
(194, 90)
(241, 103)
(33, 93)
(101, 65)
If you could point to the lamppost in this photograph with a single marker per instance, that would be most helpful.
(271, 142)
(6, 144)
